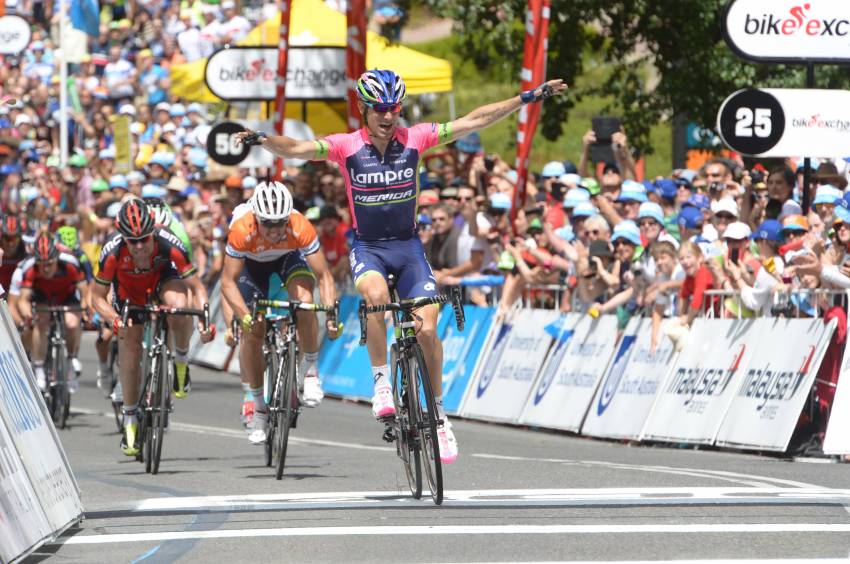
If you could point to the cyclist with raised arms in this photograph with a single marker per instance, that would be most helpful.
(268, 239)
(379, 163)
(52, 278)
(139, 260)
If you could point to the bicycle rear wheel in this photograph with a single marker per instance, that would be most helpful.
(114, 369)
(407, 445)
(426, 414)
(271, 381)
(159, 402)
(287, 406)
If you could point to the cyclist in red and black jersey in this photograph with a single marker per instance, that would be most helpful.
(143, 261)
(53, 278)
(12, 229)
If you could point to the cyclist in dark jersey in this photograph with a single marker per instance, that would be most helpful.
(143, 262)
(12, 230)
(380, 163)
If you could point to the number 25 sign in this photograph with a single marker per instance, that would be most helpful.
(786, 122)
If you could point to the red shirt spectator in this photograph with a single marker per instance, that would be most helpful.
(694, 287)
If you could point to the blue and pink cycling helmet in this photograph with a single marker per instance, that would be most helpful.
(381, 87)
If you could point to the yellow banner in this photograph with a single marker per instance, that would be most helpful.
(123, 158)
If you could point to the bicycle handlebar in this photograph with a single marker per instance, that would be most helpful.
(410, 304)
(57, 309)
(151, 309)
(293, 306)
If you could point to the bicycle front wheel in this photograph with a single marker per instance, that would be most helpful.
(407, 436)
(287, 406)
(426, 418)
(159, 402)
(147, 403)
(62, 397)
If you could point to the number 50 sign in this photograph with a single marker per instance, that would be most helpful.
(786, 122)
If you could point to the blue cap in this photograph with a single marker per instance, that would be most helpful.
(469, 144)
(842, 214)
(649, 187)
(667, 188)
(118, 181)
(249, 183)
(651, 210)
(566, 233)
(162, 158)
(500, 201)
(153, 191)
(699, 201)
(26, 145)
(690, 218)
(424, 219)
(827, 194)
(628, 230)
(584, 209)
(770, 229)
(188, 191)
(37, 46)
(9, 168)
(195, 108)
(135, 176)
(632, 196)
(553, 169)
(198, 157)
(4, 123)
(575, 196)
(177, 110)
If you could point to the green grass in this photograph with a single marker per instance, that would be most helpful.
(474, 88)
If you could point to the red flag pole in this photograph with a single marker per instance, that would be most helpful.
(355, 56)
(533, 74)
(282, 64)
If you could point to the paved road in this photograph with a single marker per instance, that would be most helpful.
(513, 495)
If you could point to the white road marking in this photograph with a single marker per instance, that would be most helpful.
(745, 479)
(484, 498)
(665, 528)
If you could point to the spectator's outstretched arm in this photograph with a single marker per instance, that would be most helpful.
(617, 300)
(584, 161)
(620, 145)
(608, 211)
(485, 116)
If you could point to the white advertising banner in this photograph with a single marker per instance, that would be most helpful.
(776, 383)
(779, 122)
(788, 31)
(23, 525)
(702, 383)
(250, 73)
(635, 376)
(575, 365)
(33, 435)
(516, 350)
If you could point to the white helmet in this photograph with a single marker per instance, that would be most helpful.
(272, 201)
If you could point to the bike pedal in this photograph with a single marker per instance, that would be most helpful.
(389, 435)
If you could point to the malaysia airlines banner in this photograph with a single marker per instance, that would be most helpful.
(702, 383)
(575, 365)
(355, 56)
(627, 392)
(774, 386)
(533, 74)
(515, 351)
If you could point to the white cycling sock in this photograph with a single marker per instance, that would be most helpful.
(307, 366)
(246, 391)
(104, 367)
(259, 400)
(181, 356)
(129, 412)
(438, 402)
(379, 374)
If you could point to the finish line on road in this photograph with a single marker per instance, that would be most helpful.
(701, 528)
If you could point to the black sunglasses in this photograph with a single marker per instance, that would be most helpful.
(272, 223)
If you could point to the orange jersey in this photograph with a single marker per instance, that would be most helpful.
(244, 239)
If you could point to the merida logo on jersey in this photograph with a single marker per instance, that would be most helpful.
(382, 177)
(375, 198)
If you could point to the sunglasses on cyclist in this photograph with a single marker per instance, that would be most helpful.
(384, 108)
(272, 223)
(136, 241)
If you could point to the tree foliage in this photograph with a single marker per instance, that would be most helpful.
(662, 57)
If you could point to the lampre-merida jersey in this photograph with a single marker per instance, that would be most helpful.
(382, 190)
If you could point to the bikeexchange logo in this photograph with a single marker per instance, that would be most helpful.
(816, 121)
(798, 22)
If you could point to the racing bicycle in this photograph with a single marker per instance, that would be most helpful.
(58, 395)
(414, 426)
(280, 380)
(158, 372)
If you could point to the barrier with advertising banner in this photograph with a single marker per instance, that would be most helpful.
(702, 382)
(514, 354)
(461, 350)
(572, 371)
(625, 397)
(30, 438)
(776, 382)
